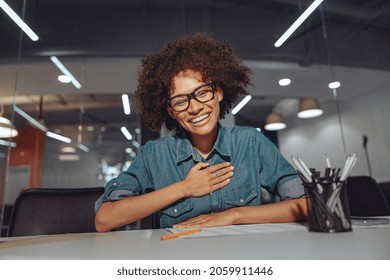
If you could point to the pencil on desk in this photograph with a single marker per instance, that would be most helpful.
(183, 233)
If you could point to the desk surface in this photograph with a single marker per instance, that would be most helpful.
(273, 241)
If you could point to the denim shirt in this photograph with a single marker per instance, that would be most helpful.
(162, 162)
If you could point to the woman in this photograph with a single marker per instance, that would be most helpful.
(206, 175)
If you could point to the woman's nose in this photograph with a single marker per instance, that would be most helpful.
(195, 106)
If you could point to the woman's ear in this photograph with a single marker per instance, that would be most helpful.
(219, 93)
(171, 113)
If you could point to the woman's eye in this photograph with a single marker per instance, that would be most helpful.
(201, 93)
(180, 102)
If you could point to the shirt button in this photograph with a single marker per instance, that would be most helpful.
(175, 210)
(211, 193)
(241, 200)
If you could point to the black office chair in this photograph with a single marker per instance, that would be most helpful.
(365, 197)
(54, 211)
(385, 189)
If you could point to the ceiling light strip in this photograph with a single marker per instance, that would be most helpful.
(136, 144)
(126, 104)
(83, 147)
(65, 71)
(126, 133)
(7, 143)
(8, 10)
(33, 121)
(297, 23)
(58, 137)
(241, 104)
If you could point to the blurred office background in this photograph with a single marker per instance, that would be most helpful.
(101, 44)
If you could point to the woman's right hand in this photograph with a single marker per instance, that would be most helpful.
(203, 179)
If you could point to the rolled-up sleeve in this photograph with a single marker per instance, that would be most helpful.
(291, 189)
(276, 174)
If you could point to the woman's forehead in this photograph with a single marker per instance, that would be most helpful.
(186, 81)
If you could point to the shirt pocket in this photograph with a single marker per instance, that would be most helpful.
(178, 209)
(240, 196)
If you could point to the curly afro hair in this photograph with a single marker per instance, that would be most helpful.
(198, 52)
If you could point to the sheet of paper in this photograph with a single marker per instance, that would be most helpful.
(241, 229)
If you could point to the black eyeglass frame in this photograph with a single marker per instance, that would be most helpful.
(193, 96)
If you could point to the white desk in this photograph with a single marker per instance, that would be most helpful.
(289, 241)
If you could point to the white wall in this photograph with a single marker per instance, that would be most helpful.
(368, 115)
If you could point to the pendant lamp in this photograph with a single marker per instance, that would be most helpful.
(309, 108)
(274, 122)
(7, 129)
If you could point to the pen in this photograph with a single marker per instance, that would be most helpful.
(183, 233)
(327, 161)
(306, 175)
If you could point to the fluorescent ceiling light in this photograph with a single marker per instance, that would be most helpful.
(64, 79)
(126, 133)
(241, 104)
(83, 147)
(7, 143)
(334, 85)
(136, 144)
(7, 9)
(68, 157)
(65, 71)
(284, 82)
(33, 121)
(126, 104)
(297, 23)
(58, 137)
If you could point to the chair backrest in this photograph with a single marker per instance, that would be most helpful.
(54, 211)
(365, 197)
(385, 189)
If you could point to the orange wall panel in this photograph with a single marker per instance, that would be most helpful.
(29, 151)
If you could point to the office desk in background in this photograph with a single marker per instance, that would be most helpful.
(290, 241)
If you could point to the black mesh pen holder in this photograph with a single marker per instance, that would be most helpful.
(327, 204)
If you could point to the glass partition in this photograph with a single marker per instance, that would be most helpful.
(102, 48)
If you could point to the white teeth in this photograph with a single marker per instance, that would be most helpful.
(198, 119)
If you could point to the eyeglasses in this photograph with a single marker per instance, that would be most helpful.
(202, 94)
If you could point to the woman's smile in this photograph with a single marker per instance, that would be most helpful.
(199, 119)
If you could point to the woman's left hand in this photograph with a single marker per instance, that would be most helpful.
(224, 218)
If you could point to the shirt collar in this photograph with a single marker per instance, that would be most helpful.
(184, 148)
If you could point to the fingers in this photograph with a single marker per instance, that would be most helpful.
(218, 172)
(207, 220)
(195, 222)
(221, 176)
(201, 165)
(203, 178)
(219, 166)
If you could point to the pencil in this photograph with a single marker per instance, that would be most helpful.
(183, 233)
